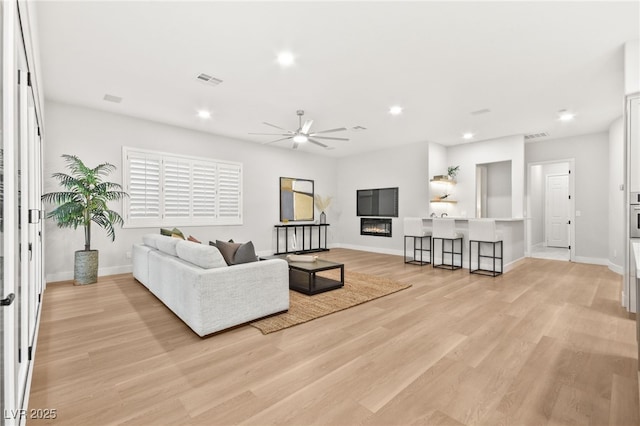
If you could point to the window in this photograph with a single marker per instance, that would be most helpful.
(176, 190)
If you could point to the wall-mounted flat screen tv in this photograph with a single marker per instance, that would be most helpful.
(377, 202)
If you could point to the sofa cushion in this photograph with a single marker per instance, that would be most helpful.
(168, 245)
(194, 239)
(237, 253)
(206, 257)
(151, 240)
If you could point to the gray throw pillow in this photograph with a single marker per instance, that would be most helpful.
(237, 253)
(246, 253)
(228, 250)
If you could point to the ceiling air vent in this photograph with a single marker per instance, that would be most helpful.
(207, 79)
(531, 136)
(358, 128)
(480, 111)
(112, 98)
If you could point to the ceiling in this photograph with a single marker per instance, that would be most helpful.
(440, 61)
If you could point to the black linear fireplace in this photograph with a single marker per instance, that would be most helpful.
(375, 227)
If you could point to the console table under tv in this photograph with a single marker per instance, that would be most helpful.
(309, 243)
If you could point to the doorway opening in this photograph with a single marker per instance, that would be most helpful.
(551, 210)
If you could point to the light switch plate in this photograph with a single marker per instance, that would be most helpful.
(578, 213)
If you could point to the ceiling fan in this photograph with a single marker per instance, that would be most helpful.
(302, 135)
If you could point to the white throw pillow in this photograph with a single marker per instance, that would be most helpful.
(204, 256)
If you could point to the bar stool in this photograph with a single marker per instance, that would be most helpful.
(483, 231)
(413, 229)
(445, 231)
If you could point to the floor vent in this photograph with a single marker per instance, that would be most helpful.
(531, 136)
(207, 79)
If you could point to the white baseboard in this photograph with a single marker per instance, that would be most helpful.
(592, 260)
(615, 268)
(369, 249)
(111, 270)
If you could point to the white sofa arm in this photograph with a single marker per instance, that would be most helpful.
(210, 300)
(250, 291)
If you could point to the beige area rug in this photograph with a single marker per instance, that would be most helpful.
(358, 288)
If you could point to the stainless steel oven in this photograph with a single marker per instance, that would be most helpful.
(634, 215)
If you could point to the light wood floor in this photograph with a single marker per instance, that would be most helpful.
(546, 343)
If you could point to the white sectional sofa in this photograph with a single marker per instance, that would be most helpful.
(194, 281)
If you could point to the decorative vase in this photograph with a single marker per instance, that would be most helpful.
(323, 218)
(85, 267)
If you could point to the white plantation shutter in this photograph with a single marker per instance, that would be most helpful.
(229, 196)
(175, 190)
(204, 190)
(144, 186)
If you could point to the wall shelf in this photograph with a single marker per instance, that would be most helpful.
(443, 179)
(437, 200)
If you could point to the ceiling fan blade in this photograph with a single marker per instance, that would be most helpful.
(277, 140)
(277, 127)
(295, 145)
(318, 143)
(270, 134)
(306, 126)
(327, 137)
(339, 129)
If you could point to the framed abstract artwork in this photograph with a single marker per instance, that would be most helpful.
(296, 199)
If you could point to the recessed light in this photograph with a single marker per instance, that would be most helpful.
(564, 115)
(203, 113)
(467, 136)
(395, 110)
(286, 59)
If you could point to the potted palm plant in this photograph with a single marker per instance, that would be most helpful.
(85, 202)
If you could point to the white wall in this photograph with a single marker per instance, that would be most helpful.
(499, 189)
(591, 174)
(97, 137)
(405, 167)
(632, 67)
(467, 156)
(617, 203)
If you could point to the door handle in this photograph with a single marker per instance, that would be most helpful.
(9, 300)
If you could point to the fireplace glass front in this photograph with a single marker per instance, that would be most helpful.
(375, 227)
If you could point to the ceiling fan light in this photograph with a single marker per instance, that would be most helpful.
(300, 138)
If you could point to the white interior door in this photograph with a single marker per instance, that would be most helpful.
(557, 207)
